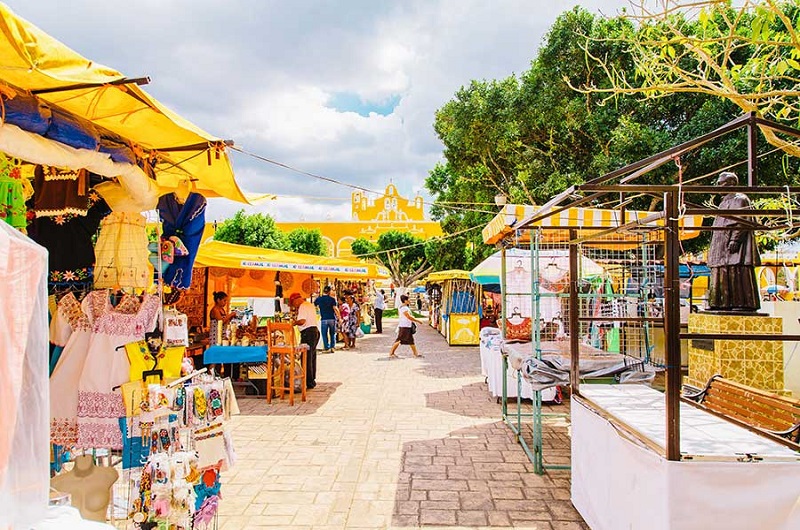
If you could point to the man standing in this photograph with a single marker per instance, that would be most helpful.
(379, 305)
(306, 320)
(329, 314)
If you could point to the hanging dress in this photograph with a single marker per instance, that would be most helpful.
(186, 222)
(121, 252)
(73, 328)
(12, 195)
(68, 238)
(99, 405)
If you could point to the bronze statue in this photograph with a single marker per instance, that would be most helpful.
(733, 257)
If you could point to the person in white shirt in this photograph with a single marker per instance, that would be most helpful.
(306, 320)
(405, 334)
(378, 306)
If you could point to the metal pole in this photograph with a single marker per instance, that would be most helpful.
(752, 151)
(672, 325)
(574, 314)
(503, 304)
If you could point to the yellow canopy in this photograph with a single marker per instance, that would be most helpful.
(585, 220)
(230, 256)
(454, 274)
(32, 60)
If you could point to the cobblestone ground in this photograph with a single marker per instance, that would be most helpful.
(384, 443)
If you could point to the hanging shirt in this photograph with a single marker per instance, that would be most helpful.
(186, 221)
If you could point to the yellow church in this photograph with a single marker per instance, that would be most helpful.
(371, 218)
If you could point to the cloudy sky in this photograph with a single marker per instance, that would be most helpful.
(341, 88)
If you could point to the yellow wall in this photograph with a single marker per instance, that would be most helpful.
(371, 218)
(340, 235)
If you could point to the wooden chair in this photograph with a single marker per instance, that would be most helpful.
(283, 352)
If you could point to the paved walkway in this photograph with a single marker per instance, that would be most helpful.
(386, 443)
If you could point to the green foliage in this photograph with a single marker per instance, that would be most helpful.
(565, 121)
(256, 230)
(363, 246)
(307, 241)
(402, 253)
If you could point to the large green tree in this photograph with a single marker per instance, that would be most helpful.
(531, 136)
(400, 252)
(307, 241)
(256, 230)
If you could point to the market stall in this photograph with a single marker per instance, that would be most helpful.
(455, 307)
(541, 281)
(83, 152)
(687, 465)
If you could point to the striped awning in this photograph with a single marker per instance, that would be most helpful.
(586, 221)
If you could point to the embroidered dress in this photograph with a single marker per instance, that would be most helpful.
(99, 406)
(71, 327)
(12, 194)
(60, 192)
(121, 251)
(68, 238)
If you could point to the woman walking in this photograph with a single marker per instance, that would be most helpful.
(352, 321)
(405, 334)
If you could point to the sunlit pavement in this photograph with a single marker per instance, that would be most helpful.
(385, 443)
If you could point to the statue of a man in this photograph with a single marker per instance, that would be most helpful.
(733, 257)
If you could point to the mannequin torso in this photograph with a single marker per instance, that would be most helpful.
(89, 485)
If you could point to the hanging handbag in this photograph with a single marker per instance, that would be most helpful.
(413, 327)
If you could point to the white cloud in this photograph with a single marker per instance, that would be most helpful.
(263, 74)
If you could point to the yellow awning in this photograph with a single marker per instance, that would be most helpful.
(454, 274)
(230, 256)
(586, 221)
(32, 60)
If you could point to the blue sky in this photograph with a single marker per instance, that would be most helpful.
(342, 88)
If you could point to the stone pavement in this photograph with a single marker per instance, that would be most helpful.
(384, 443)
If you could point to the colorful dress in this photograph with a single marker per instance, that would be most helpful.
(106, 366)
(351, 322)
(12, 194)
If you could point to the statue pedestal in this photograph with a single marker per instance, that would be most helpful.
(756, 363)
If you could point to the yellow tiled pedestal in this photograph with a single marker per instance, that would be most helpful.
(757, 363)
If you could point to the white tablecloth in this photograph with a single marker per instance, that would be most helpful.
(618, 483)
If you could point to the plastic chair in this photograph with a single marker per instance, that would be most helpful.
(283, 352)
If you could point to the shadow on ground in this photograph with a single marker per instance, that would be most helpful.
(258, 406)
(472, 401)
(479, 476)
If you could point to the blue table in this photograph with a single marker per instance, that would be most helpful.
(235, 354)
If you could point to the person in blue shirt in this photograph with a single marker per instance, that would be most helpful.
(329, 314)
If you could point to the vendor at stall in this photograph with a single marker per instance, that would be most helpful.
(219, 316)
(306, 320)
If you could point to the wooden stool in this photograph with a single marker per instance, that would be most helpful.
(283, 352)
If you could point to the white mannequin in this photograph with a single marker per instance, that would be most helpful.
(89, 485)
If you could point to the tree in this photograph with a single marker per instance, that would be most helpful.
(400, 252)
(307, 241)
(561, 123)
(748, 55)
(256, 230)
